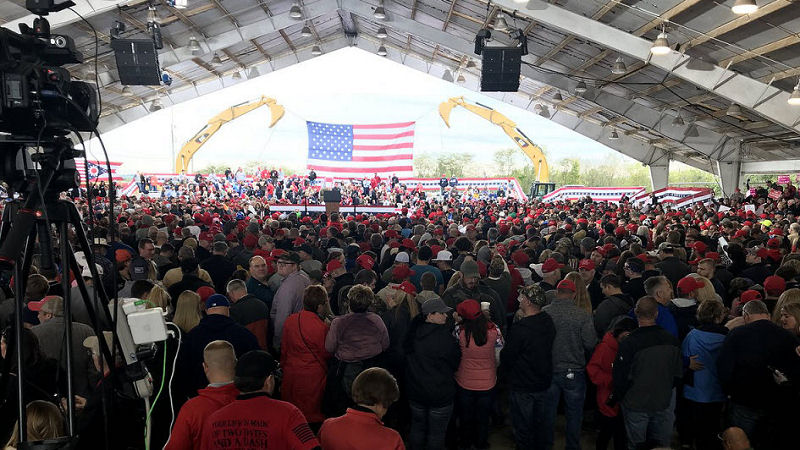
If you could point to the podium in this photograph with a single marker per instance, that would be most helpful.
(332, 198)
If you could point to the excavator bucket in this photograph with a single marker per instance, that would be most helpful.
(277, 112)
(445, 108)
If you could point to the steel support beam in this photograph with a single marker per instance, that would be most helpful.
(783, 166)
(729, 173)
(725, 83)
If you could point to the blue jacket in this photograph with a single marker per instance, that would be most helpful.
(706, 343)
(665, 319)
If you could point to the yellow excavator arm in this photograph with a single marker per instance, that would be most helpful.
(530, 149)
(193, 145)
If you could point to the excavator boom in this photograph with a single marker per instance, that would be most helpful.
(193, 145)
(530, 149)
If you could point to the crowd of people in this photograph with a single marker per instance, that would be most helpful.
(427, 327)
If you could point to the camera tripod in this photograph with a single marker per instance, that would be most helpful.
(24, 223)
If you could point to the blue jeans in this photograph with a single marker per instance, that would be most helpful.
(574, 390)
(474, 411)
(652, 427)
(528, 417)
(428, 426)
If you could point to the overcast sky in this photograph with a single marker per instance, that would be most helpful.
(349, 86)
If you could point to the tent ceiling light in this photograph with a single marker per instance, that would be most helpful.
(794, 99)
(382, 50)
(614, 136)
(619, 67)
(306, 32)
(316, 50)
(381, 34)
(295, 12)
(744, 7)
(581, 88)
(660, 45)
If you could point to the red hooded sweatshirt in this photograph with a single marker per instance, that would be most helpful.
(188, 427)
(599, 371)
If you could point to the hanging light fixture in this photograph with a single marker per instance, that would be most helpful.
(619, 67)
(471, 64)
(500, 23)
(794, 99)
(614, 136)
(558, 97)
(156, 105)
(381, 34)
(152, 16)
(734, 110)
(678, 120)
(448, 76)
(126, 90)
(295, 12)
(691, 130)
(382, 50)
(660, 45)
(194, 46)
(545, 112)
(316, 50)
(537, 108)
(237, 75)
(305, 32)
(461, 79)
(215, 61)
(744, 7)
(254, 73)
(580, 88)
(180, 4)
(380, 12)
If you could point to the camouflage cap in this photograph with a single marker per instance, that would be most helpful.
(535, 294)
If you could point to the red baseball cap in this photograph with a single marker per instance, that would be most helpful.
(333, 265)
(774, 285)
(689, 284)
(366, 262)
(700, 246)
(566, 285)
(469, 309)
(586, 264)
(749, 295)
(406, 287)
(401, 271)
(551, 265)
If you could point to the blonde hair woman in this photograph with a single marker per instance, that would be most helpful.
(581, 294)
(44, 421)
(706, 292)
(158, 298)
(187, 311)
(788, 296)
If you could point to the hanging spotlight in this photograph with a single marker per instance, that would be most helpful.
(537, 108)
(306, 32)
(381, 34)
(126, 90)
(660, 45)
(794, 99)
(734, 110)
(580, 88)
(461, 79)
(678, 120)
(253, 73)
(156, 105)
(215, 61)
(178, 4)
(316, 51)
(237, 75)
(558, 97)
(194, 46)
(471, 64)
(382, 50)
(614, 136)
(619, 67)
(545, 112)
(691, 130)
(295, 12)
(380, 12)
(744, 7)
(500, 23)
(448, 76)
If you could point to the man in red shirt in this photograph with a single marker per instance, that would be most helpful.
(219, 363)
(255, 420)
(374, 390)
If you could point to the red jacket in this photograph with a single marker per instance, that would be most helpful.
(358, 429)
(304, 363)
(189, 424)
(599, 371)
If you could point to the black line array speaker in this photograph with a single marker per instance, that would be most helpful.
(137, 61)
(500, 69)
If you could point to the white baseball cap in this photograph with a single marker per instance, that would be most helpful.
(402, 257)
(444, 255)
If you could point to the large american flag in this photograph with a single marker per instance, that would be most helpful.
(359, 151)
(97, 170)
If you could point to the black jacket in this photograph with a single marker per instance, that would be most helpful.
(757, 272)
(674, 269)
(609, 309)
(432, 358)
(210, 328)
(647, 368)
(220, 268)
(187, 283)
(527, 358)
(745, 358)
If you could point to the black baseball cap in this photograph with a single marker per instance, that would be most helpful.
(256, 364)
